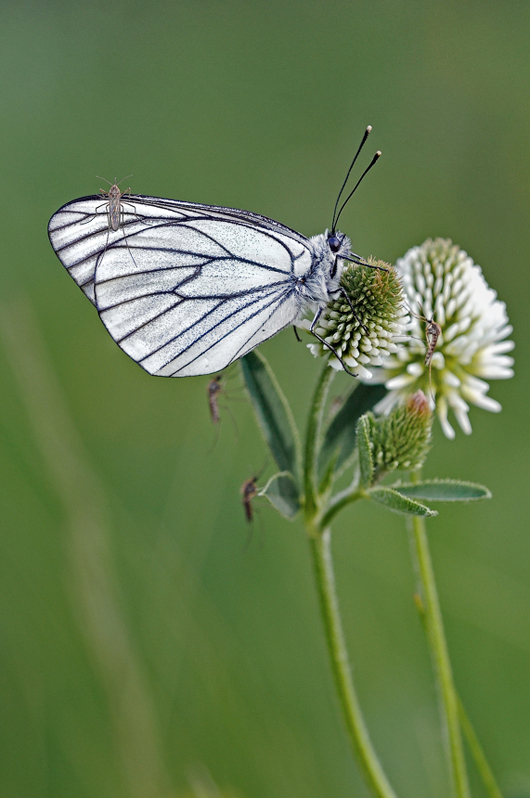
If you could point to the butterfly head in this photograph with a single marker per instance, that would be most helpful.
(334, 242)
(324, 278)
(339, 246)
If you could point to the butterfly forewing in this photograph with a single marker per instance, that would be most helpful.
(79, 236)
(184, 289)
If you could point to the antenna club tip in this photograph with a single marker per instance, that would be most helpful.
(369, 129)
(378, 154)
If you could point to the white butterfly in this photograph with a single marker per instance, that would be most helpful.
(186, 289)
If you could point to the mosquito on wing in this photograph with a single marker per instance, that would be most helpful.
(115, 210)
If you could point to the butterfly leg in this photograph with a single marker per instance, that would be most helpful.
(348, 300)
(325, 343)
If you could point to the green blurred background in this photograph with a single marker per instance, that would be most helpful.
(144, 640)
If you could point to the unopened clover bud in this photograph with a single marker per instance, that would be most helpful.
(401, 439)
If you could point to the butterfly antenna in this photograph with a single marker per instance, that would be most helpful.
(361, 145)
(356, 186)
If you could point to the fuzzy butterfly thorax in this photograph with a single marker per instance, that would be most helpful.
(324, 277)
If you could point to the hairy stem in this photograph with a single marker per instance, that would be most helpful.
(439, 654)
(312, 439)
(320, 544)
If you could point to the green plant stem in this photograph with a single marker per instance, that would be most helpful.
(320, 543)
(321, 550)
(440, 654)
(478, 754)
(312, 440)
(340, 501)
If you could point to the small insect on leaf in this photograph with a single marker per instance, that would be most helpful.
(249, 491)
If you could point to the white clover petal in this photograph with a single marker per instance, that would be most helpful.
(363, 372)
(456, 402)
(387, 403)
(501, 347)
(396, 383)
(441, 409)
(493, 372)
(485, 402)
(303, 324)
(450, 379)
(415, 369)
(463, 419)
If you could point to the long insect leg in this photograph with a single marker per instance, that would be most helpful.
(328, 346)
(93, 215)
(348, 300)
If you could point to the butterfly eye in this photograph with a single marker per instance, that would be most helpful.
(334, 243)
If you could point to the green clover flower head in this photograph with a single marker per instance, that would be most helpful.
(365, 337)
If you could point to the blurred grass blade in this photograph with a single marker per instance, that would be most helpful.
(482, 764)
(398, 503)
(273, 413)
(444, 490)
(91, 583)
(340, 436)
(283, 493)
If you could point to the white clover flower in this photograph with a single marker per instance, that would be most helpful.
(441, 282)
(367, 337)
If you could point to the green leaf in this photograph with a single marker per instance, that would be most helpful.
(398, 503)
(444, 490)
(366, 463)
(272, 411)
(282, 492)
(340, 436)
